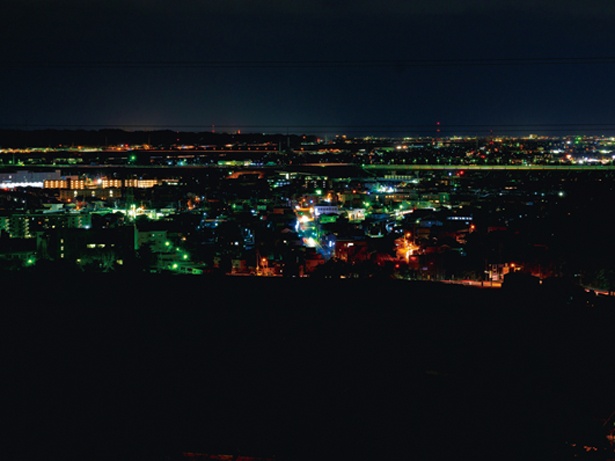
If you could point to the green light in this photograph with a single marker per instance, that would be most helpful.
(318, 192)
(185, 256)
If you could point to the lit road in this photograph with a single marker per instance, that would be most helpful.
(475, 283)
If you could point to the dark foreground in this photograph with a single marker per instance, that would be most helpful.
(111, 368)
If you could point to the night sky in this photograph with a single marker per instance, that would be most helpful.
(320, 66)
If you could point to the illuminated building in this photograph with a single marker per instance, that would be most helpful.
(324, 209)
(111, 183)
(94, 246)
(157, 240)
(141, 183)
(55, 184)
(77, 183)
(351, 251)
(26, 225)
(70, 195)
(27, 178)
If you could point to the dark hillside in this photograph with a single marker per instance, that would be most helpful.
(104, 367)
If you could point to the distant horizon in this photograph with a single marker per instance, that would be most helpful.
(330, 133)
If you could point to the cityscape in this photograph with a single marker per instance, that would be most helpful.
(475, 273)
(466, 210)
(243, 230)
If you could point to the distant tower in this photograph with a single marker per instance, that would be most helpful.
(287, 140)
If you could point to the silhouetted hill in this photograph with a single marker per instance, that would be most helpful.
(110, 367)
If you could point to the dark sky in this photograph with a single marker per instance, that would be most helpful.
(369, 67)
